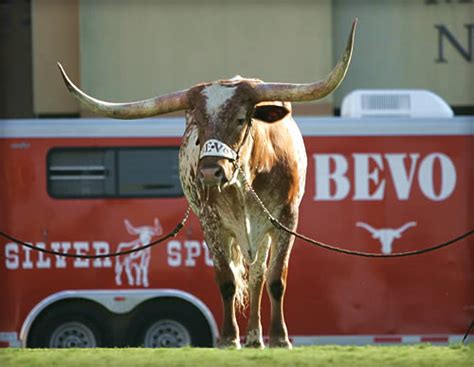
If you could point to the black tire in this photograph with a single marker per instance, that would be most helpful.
(68, 326)
(170, 323)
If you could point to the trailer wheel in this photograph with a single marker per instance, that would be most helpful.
(67, 328)
(74, 334)
(171, 324)
(166, 333)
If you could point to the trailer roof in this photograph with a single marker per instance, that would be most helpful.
(174, 127)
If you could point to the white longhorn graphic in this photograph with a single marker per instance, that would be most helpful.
(136, 264)
(386, 236)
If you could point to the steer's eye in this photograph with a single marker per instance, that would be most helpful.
(240, 122)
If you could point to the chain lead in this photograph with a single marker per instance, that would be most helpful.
(277, 224)
(173, 233)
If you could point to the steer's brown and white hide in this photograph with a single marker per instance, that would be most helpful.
(238, 233)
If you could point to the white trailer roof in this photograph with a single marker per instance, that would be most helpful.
(174, 127)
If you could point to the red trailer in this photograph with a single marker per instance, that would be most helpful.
(86, 186)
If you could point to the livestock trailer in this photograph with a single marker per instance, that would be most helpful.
(94, 186)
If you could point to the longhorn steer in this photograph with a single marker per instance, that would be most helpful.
(240, 122)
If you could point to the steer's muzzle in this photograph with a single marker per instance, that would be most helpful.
(212, 174)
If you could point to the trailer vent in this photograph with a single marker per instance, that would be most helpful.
(400, 102)
(394, 103)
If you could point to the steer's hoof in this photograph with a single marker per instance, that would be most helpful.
(281, 342)
(229, 343)
(254, 343)
(254, 339)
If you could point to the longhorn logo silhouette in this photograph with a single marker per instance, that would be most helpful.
(386, 236)
(135, 265)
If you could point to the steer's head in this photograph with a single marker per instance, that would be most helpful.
(222, 111)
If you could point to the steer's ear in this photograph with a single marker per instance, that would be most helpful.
(270, 113)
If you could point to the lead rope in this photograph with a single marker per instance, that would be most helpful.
(173, 233)
(276, 223)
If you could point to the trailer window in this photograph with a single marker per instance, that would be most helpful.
(113, 172)
(148, 172)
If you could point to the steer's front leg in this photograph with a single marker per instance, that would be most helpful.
(256, 281)
(226, 281)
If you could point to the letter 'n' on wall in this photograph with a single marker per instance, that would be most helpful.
(445, 34)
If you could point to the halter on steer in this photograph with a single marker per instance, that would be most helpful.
(217, 148)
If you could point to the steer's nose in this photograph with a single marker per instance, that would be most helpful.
(211, 175)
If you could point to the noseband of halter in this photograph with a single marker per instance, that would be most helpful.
(217, 148)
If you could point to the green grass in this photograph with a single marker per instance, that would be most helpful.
(321, 356)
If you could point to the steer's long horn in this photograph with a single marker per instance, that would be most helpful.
(133, 110)
(311, 91)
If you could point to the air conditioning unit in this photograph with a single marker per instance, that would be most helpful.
(394, 103)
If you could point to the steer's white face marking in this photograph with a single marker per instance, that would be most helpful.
(216, 97)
